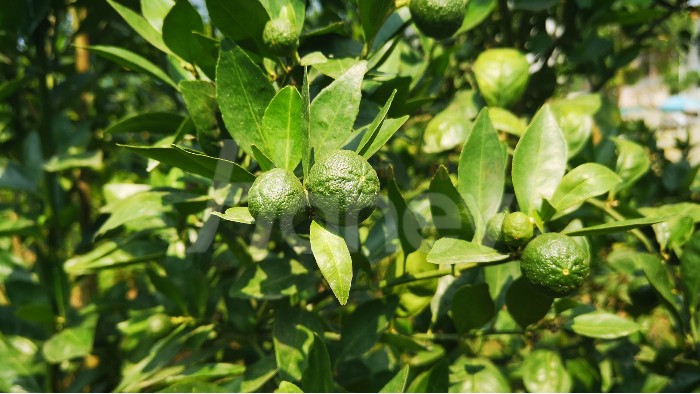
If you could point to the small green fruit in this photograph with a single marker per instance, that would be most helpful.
(277, 196)
(159, 324)
(343, 188)
(517, 229)
(494, 231)
(438, 18)
(280, 37)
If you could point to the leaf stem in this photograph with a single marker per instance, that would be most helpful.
(610, 211)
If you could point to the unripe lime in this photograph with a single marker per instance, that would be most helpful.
(517, 229)
(554, 264)
(280, 36)
(159, 324)
(277, 196)
(343, 188)
(494, 230)
(438, 18)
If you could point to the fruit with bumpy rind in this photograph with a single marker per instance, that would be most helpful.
(277, 197)
(554, 264)
(280, 37)
(343, 188)
(438, 18)
(517, 229)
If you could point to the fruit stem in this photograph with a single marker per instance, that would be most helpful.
(610, 211)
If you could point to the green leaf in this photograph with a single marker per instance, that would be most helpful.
(273, 279)
(333, 259)
(364, 327)
(373, 128)
(193, 387)
(450, 214)
(659, 277)
(14, 177)
(140, 25)
(195, 162)
(505, 120)
(602, 325)
(583, 182)
(477, 12)
(243, 93)
(472, 307)
(132, 61)
(181, 21)
(236, 214)
(409, 229)
(389, 127)
(373, 13)
(9, 87)
(333, 111)
(200, 99)
(481, 168)
(293, 337)
(242, 21)
(282, 128)
(544, 372)
(155, 11)
(135, 207)
(113, 255)
(265, 162)
(318, 376)
(477, 375)
(457, 251)
(575, 116)
(690, 271)
(434, 380)
(502, 75)
(20, 369)
(155, 122)
(62, 162)
(499, 277)
(306, 152)
(526, 305)
(334, 68)
(295, 9)
(632, 162)
(288, 387)
(258, 374)
(398, 383)
(71, 342)
(539, 161)
(447, 130)
(617, 226)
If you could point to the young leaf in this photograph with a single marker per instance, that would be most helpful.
(333, 259)
(181, 21)
(457, 251)
(236, 214)
(632, 162)
(526, 305)
(243, 92)
(288, 387)
(602, 325)
(544, 372)
(155, 11)
(132, 61)
(397, 384)
(265, 162)
(242, 21)
(472, 307)
(333, 111)
(141, 26)
(450, 214)
(373, 128)
(539, 161)
(154, 122)
(386, 131)
(318, 376)
(616, 227)
(481, 171)
(407, 225)
(282, 126)
(583, 182)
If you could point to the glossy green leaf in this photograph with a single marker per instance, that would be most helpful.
(19, 371)
(288, 387)
(477, 375)
(472, 307)
(505, 120)
(62, 162)
(293, 338)
(477, 12)
(447, 130)
(450, 214)
(71, 342)
(318, 376)
(373, 128)
(602, 325)
(139, 206)
(242, 21)
(616, 227)
(243, 93)
(373, 13)
(364, 327)
(193, 387)
(132, 61)
(236, 214)
(632, 162)
(583, 182)
(265, 162)
(334, 68)
(499, 277)
(113, 255)
(544, 372)
(155, 11)
(282, 128)
(306, 151)
(389, 127)
(690, 270)
(333, 111)
(14, 177)
(482, 169)
(333, 259)
(457, 251)
(140, 25)
(155, 122)
(410, 233)
(526, 305)
(416, 296)
(398, 383)
(575, 116)
(200, 99)
(502, 75)
(257, 374)
(195, 162)
(659, 277)
(182, 20)
(434, 380)
(273, 279)
(539, 161)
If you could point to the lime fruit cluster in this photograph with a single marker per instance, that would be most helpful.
(343, 188)
(517, 230)
(277, 197)
(554, 264)
(280, 37)
(438, 18)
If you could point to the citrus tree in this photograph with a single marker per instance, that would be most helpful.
(282, 195)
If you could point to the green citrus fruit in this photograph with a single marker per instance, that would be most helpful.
(277, 196)
(517, 229)
(438, 18)
(280, 36)
(494, 230)
(343, 188)
(159, 324)
(554, 264)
